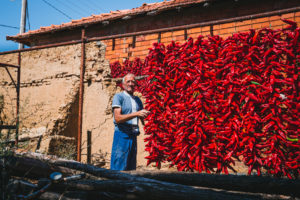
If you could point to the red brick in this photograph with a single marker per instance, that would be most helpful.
(147, 43)
(137, 48)
(180, 32)
(143, 43)
(277, 23)
(215, 32)
(205, 28)
(259, 20)
(114, 57)
(118, 48)
(139, 54)
(256, 26)
(243, 28)
(179, 37)
(140, 38)
(146, 52)
(107, 42)
(108, 53)
(228, 25)
(120, 59)
(152, 36)
(152, 41)
(166, 40)
(194, 30)
(243, 23)
(277, 27)
(166, 34)
(193, 35)
(232, 30)
(118, 41)
(129, 40)
(288, 15)
(227, 30)
(275, 17)
(167, 37)
(220, 31)
(265, 25)
(107, 56)
(122, 55)
(206, 33)
(138, 44)
(215, 27)
(224, 36)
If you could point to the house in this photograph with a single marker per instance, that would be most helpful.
(66, 88)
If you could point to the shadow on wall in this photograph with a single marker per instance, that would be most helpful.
(71, 128)
(64, 144)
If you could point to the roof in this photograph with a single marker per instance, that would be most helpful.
(151, 8)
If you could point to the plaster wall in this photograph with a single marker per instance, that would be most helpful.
(49, 100)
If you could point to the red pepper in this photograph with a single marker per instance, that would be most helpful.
(213, 100)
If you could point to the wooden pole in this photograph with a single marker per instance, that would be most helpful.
(23, 21)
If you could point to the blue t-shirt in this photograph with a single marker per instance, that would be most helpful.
(128, 104)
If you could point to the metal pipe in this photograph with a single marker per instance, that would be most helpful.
(11, 78)
(42, 47)
(18, 99)
(8, 65)
(214, 22)
(81, 90)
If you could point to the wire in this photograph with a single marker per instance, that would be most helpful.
(57, 9)
(94, 5)
(103, 9)
(82, 8)
(27, 16)
(91, 9)
(7, 26)
(79, 12)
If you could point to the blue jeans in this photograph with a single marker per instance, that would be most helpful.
(124, 150)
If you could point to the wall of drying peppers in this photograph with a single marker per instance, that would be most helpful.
(215, 100)
(136, 67)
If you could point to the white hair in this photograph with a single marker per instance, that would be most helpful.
(129, 74)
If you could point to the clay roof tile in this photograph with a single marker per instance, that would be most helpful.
(164, 5)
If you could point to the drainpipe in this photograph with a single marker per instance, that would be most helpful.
(81, 90)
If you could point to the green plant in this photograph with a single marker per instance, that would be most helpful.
(66, 150)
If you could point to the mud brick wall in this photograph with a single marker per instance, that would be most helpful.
(48, 94)
(48, 85)
(49, 99)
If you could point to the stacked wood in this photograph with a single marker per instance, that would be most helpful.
(108, 184)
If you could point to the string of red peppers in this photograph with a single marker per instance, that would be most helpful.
(216, 100)
(135, 67)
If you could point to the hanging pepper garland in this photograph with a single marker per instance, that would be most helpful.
(135, 67)
(213, 101)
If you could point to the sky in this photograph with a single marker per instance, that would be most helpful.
(47, 12)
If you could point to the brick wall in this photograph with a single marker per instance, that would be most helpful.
(120, 49)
